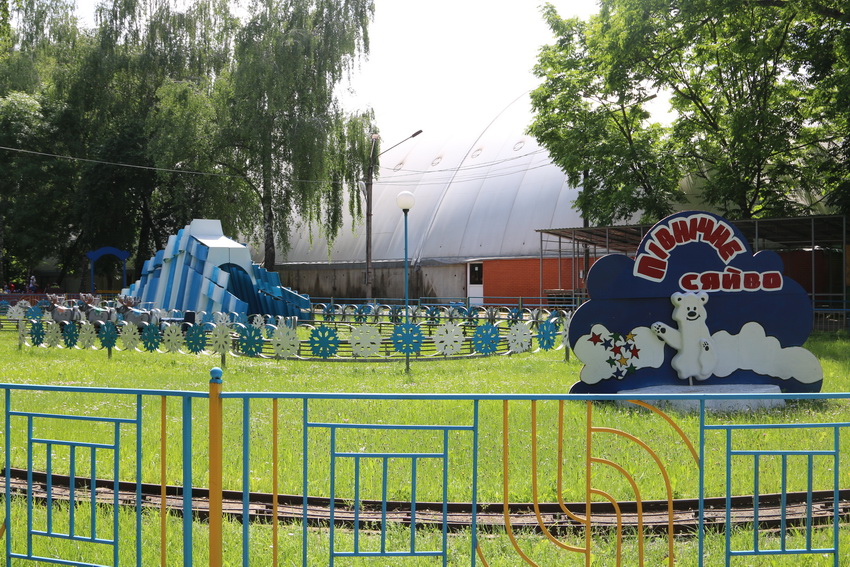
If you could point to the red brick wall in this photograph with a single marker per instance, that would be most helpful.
(521, 277)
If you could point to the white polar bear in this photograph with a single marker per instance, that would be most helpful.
(695, 354)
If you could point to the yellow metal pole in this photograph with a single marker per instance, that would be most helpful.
(163, 548)
(215, 482)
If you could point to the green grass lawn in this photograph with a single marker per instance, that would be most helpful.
(528, 373)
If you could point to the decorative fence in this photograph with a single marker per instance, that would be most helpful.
(365, 332)
(380, 476)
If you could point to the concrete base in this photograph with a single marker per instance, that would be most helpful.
(725, 405)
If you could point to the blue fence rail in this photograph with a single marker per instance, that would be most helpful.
(350, 459)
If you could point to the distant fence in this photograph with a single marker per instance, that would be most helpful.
(239, 453)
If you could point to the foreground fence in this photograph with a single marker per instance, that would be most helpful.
(99, 476)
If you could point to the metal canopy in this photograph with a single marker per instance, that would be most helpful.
(823, 231)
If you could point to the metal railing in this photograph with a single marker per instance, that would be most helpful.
(333, 451)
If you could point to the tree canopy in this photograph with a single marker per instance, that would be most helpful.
(758, 88)
(159, 115)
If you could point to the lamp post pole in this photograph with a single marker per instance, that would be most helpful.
(366, 188)
(405, 202)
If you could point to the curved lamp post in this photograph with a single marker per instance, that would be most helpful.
(366, 189)
(405, 201)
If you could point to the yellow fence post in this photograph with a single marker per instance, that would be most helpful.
(215, 481)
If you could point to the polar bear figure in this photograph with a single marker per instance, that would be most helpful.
(695, 353)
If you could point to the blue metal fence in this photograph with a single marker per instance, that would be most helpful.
(115, 439)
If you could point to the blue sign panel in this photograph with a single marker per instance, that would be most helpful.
(695, 306)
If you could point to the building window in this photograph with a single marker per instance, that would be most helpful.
(476, 274)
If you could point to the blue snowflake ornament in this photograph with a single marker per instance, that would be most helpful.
(37, 333)
(485, 340)
(151, 338)
(70, 335)
(108, 335)
(547, 332)
(407, 338)
(250, 340)
(196, 339)
(324, 341)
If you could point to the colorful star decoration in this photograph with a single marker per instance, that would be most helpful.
(624, 352)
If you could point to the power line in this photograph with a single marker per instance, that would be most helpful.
(119, 164)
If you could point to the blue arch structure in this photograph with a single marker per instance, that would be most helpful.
(95, 255)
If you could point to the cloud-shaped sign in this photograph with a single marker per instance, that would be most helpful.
(695, 304)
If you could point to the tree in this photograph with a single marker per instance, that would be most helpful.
(753, 124)
(285, 132)
(33, 204)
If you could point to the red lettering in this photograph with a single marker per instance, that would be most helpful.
(688, 282)
(684, 231)
(718, 237)
(710, 281)
(664, 237)
(651, 268)
(772, 280)
(730, 249)
(752, 280)
(731, 280)
(657, 250)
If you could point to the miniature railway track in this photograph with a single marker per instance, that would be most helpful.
(655, 516)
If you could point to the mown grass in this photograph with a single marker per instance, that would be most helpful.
(530, 373)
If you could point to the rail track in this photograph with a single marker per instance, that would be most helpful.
(773, 511)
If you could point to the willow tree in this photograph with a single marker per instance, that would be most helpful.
(285, 132)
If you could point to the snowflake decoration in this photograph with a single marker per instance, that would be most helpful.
(172, 338)
(37, 333)
(88, 335)
(129, 337)
(546, 333)
(109, 334)
(519, 337)
(220, 318)
(151, 338)
(258, 321)
(407, 338)
(250, 341)
(514, 315)
(70, 335)
(240, 318)
(365, 341)
(329, 313)
(35, 312)
(285, 341)
(485, 340)
(396, 313)
(449, 339)
(324, 341)
(17, 312)
(4, 307)
(196, 339)
(220, 339)
(363, 313)
(53, 334)
(24, 304)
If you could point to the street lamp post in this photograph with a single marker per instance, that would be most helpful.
(405, 201)
(366, 189)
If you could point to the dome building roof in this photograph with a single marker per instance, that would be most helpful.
(478, 196)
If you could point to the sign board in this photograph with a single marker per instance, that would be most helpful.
(695, 306)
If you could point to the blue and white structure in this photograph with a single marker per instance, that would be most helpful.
(201, 269)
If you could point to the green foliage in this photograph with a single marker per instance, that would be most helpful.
(173, 112)
(756, 88)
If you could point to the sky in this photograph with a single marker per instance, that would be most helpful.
(440, 65)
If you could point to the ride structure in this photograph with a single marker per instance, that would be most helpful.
(201, 269)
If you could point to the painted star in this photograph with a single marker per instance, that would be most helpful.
(595, 338)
